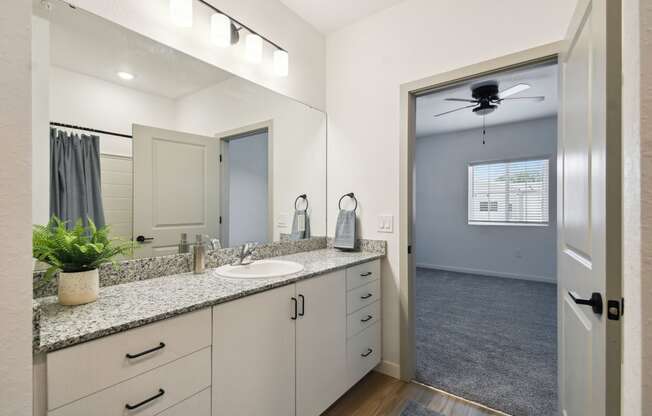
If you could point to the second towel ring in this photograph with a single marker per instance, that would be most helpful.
(350, 195)
(305, 198)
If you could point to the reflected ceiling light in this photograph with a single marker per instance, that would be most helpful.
(181, 12)
(281, 63)
(254, 48)
(125, 75)
(221, 30)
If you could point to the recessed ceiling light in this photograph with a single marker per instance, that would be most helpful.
(125, 75)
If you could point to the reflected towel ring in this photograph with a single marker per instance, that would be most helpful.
(350, 195)
(305, 198)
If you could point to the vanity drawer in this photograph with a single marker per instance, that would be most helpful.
(362, 274)
(362, 296)
(362, 319)
(172, 383)
(83, 369)
(363, 353)
(197, 405)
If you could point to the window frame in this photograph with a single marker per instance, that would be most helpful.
(469, 187)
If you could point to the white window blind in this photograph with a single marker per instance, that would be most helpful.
(509, 192)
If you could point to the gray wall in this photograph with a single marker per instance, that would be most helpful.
(248, 193)
(443, 237)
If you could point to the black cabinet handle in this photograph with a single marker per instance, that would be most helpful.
(595, 302)
(367, 319)
(160, 393)
(365, 274)
(294, 317)
(367, 296)
(303, 305)
(149, 351)
(367, 353)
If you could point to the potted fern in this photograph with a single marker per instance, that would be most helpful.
(76, 254)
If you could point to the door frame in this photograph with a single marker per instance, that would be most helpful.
(234, 134)
(408, 93)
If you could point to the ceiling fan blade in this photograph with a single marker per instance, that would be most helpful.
(452, 111)
(537, 99)
(513, 90)
(464, 100)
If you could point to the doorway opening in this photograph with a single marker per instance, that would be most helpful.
(485, 239)
(245, 187)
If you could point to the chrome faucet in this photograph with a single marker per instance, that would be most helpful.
(245, 254)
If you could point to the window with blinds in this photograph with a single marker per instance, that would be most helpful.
(509, 192)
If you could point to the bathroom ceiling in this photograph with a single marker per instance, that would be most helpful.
(542, 79)
(87, 44)
(329, 16)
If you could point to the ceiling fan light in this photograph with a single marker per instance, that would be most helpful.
(281, 63)
(254, 48)
(220, 30)
(181, 12)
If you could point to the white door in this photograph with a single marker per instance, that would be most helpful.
(253, 355)
(321, 343)
(589, 201)
(176, 188)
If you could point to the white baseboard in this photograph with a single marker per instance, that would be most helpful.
(389, 368)
(535, 278)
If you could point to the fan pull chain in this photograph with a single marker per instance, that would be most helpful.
(484, 130)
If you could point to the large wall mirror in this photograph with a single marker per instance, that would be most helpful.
(157, 144)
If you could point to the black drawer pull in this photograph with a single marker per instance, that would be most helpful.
(151, 350)
(365, 274)
(160, 393)
(367, 296)
(367, 319)
(294, 303)
(366, 354)
(303, 305)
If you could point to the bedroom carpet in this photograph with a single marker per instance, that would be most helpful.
(488, 339)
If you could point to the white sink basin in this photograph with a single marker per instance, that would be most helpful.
(261, 269)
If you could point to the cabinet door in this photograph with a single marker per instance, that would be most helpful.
(321, 343)
(253, 355)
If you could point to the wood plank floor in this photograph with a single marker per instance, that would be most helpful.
(381, 395)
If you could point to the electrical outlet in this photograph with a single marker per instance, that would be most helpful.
(283, 220)
(385, 223)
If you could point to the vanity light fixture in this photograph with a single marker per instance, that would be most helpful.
(125, 75)
(221, 30)
(181, 12)
(225, 31)
(281, 63)
(254, 48)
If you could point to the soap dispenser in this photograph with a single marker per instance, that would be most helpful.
(199, 255)
(184, 247)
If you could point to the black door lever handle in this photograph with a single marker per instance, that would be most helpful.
(595, 302)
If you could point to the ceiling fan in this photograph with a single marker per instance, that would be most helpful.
(487, 98)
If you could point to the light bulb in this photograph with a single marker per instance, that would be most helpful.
(281, 63)
(254, 48)
(125, 75)
(181, 12)
(221, 30)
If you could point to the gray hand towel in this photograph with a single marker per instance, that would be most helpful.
(345, 230)
(300, 225)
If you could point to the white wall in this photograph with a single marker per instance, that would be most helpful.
(445, 240)
(637, 208)
(40, 119)
(366, 64)
(248, 190)
(306, 80)
(15, 211)
(298, 137)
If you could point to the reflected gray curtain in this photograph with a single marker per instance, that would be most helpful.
(75, 179)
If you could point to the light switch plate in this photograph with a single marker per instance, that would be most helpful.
(283, 220)
(385, 223)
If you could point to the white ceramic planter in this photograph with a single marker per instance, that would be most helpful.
(78, 288)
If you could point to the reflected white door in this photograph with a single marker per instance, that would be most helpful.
(176, 188)
(589, 239)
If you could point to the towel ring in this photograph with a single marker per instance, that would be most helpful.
(350, 195)
(305, 198)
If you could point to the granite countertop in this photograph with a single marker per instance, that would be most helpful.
(134, 304)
